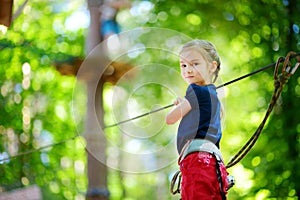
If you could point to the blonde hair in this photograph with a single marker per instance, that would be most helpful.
(208, 50)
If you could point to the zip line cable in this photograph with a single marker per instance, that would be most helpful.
(160, 109)
(38, 149)
(139, 116)
(168, 106)
(220, 86)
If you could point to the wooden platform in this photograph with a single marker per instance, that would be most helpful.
(28, 193)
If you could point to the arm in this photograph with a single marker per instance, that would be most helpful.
(183, 106)
(119, 4)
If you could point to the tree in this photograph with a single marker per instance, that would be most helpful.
(96, 143)
(36, 109)
(35, 103)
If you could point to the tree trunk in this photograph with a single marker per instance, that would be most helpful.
(94, 135)
(96, 144)
(291, 121)
(93, 35)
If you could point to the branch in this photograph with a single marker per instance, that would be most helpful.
(19, 11)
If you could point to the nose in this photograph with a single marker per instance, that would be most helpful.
(189, 68)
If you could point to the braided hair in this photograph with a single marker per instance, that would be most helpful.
(209, 52)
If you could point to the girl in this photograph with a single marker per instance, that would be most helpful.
(109, 10)
(204, 175)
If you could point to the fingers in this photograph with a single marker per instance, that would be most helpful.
(177, 101)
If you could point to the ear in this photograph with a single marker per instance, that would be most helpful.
(213, 66)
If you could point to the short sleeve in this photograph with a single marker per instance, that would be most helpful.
(191, 96)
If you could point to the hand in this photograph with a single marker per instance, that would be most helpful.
(182, 107)
(177, 101)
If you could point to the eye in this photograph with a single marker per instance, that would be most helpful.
(183, 65)
(196, 64)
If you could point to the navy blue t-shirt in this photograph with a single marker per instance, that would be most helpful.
(203, 121)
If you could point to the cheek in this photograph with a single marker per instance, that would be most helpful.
(199, 70)
(202, 70)
(182, 72)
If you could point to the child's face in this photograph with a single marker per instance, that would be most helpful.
(195, 69)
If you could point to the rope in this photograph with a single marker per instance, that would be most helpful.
(280, 80)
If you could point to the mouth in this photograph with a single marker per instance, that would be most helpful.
(188, 77)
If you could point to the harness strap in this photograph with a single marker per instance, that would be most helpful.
(219, 175)
(200, 145)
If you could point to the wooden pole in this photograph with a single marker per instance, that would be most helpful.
(96, 143)
(6, 7)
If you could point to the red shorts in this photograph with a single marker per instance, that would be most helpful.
(199, 177)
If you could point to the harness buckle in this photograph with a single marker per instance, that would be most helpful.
(231, 182)
(176, 176)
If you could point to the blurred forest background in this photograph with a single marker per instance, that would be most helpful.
(37, 102)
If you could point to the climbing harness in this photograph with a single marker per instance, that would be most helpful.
(199, 145)
(176, 180)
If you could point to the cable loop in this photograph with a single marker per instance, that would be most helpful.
(279, 81)
(292, 70)
(286, 63)
(287, 69)
(279, 60)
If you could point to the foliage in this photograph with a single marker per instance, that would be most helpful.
(36, 101)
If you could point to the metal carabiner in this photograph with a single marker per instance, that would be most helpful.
(173, 182)
(293, 70)
(287, 64)
(287, 70)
